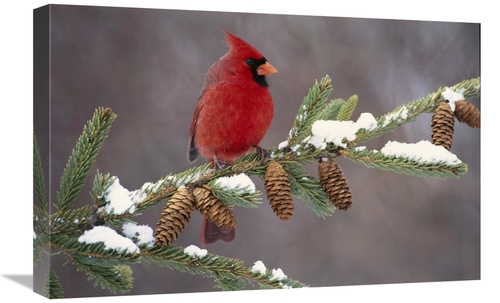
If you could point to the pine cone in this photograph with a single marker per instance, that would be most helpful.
(174, 217)
(334, 184)
(468, 113)
(279, 191)
(212, 208)
(443, 123)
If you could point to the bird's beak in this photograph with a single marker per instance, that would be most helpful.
(266, 69)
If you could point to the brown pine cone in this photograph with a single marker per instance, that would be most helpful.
(442, 124)
(174, 217)
(335, 185)
(279, 192)
(212, 208)
(466, 112)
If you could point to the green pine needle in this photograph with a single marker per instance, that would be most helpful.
(115, 278)
(309, 110)
(38, 178)
(309, 190)
(331, 110)
(52, 287)
(228, 273)
(402, 165)
(83, 157)
(240, 197)
(347, 109)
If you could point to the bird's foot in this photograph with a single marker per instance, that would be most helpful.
(262, 152)
(219, 164)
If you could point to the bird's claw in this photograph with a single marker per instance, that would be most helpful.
(219, 164)
(262, 152)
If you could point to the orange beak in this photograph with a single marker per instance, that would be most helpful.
(266, 69)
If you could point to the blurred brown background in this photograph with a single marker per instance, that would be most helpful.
(149, 65)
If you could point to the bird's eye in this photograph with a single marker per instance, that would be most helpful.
(250, 62)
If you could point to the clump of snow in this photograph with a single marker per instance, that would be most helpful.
(110, 238)
(34, 235)
(259, 267)
(453, 96)
(423, 152)
(277, 274)
(396, 115)
(239, 183)
(283, 144)
(143, 233)
(195, 251)
(118, 198)
(332, 131)
(139, 195)
(366, 121)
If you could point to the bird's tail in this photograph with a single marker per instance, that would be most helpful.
(211, 233)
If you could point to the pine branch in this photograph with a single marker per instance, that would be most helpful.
(267, 280)
(52, 287)
(345, 112)
(73, 221)
(243, 197)
(410, 112)
(83, 156)
(331, 110)
(95, 251)
(41, 229)
(230, 274)
(113, 277)
(309, 110)
(210, 266)
(40, 245)
(309, 190)
(38, 178)
(404, 165)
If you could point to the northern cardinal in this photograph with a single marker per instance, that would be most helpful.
(233, 113)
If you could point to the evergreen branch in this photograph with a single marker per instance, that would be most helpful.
(95, 251)
(40, 220)
(471, 88)
(40, 244)
(113, 277)
(40, 232)
(210, 265)
(228, 282)
(345, 112)
(38, 178)
(73, 222)
(229, 273)
(239, 197)
(164, 188)
(309, 110)
(403, 165)
(52, 287)
(99, 186)
(331, 110)
(267, 281)
(309, 190)
(83, 156)
(410, 112)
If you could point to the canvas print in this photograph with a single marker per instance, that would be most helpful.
(192, 151)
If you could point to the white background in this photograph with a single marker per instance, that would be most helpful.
(16, 102)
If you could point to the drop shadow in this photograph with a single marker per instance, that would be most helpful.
(24, 280)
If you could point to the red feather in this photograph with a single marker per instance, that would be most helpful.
(235, 107)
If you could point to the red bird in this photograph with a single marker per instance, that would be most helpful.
(234, 111)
